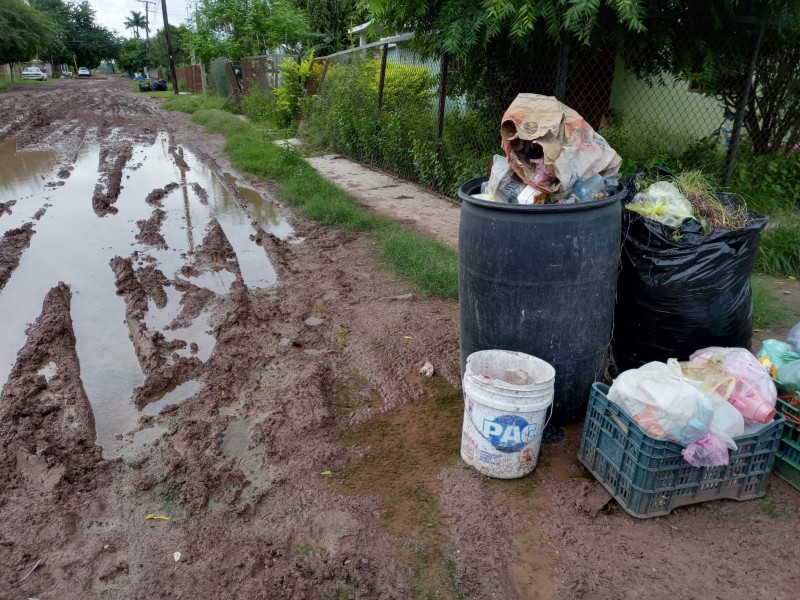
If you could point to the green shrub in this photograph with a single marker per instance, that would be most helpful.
(771, 184)
(645, 144)
(259, 106)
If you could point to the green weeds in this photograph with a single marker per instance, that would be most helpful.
(769, 309)
(779, 253)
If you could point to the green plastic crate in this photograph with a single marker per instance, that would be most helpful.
(650, 478)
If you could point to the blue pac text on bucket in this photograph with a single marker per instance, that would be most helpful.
(508, 433)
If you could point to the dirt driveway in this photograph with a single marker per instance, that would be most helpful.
(206, 396)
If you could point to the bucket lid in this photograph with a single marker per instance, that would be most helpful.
(508, 371)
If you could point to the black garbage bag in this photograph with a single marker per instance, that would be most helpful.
(679, 293)
(159, 85)
(144, 87)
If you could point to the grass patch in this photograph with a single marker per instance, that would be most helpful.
(430, 264)
(191, 103)
(769, 309)
(6, 85)
(779, 252)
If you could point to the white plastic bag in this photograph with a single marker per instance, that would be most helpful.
(727, 423)
(500, 169)
(662, 202)
(666, 404)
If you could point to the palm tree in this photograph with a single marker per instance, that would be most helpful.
(135, 22)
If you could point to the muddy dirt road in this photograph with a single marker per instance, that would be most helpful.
(205, 396)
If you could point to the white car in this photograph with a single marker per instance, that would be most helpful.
(84, 72)
(34, 73)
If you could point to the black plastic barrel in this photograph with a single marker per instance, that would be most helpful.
(541, 279)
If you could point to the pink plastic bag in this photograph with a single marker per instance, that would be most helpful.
(709, 451)
(755, 394)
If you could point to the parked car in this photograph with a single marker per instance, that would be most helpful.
(84, 72)
(34, 73)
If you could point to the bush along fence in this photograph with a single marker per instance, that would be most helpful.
(435, 120)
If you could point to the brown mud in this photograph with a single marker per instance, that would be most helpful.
(282, 429)
(12, 245)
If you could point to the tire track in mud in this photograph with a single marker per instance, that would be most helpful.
(160, 365)
(12, 245)
(46, 421)
(106, 193)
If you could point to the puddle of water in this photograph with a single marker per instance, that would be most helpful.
(236, 446)
(232, 409)
(198, 332)
(129, 448)
(265, 213)
(256, 271)
(49, 370)
(352, 390)
(175, 396)
(75, 246)
(21, 179)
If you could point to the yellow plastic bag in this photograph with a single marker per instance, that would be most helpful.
(715, 382)
(662, 202)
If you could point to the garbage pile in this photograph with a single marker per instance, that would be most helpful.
(672, 199)
(552, 156)
(702, 404)
(783, 361)
(688, 252)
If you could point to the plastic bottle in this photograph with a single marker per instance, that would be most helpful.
(794, 337)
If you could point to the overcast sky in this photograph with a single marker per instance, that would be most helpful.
(112, 13)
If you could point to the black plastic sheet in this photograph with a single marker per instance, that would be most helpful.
(677, 294)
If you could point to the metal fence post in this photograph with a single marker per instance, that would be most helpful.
(384, 56)
(442, 99)
(322, 76)
(234, 83)
(736, 133)
(563, 68)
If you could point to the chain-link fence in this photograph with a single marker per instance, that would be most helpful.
(436, 121)
(220, 70)
(262, 73)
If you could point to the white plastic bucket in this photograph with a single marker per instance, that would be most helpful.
(506, 397)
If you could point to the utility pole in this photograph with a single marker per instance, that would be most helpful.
(169, 49)
(147, 4)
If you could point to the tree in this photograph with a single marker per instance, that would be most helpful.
(132, 55)
(328, 22)
(136, 21)
(24, 31)
(238, 28)
(158, 46)
(461, 26)
(79, 38)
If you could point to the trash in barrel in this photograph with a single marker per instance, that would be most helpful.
(507, 396)
(539, 246)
